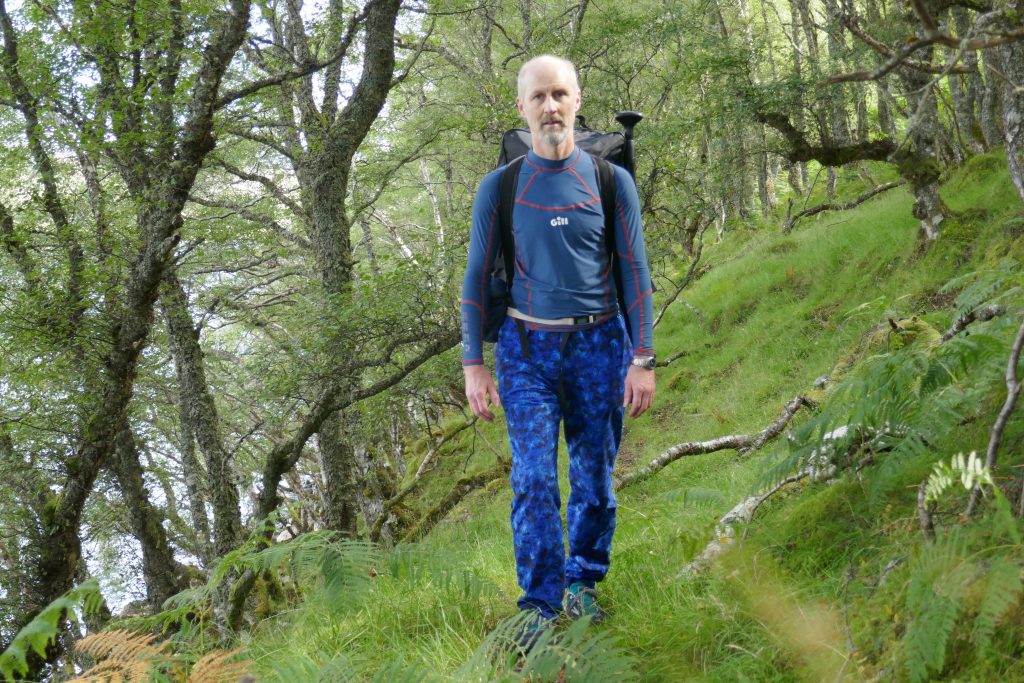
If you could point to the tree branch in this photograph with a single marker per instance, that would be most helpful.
(971, 316)
(802, 150)
(689, 273)
(790, 222)
(996, 433)
(390, 504)
(745, 443)
(284, 456)
(463, 487)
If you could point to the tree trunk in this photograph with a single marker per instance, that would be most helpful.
(990, 101)
(1011, 56)
(337, 463)
(885, 106)
(962, 93)
(158, 564)
(159, 181)
(922, 168)
(202, 420)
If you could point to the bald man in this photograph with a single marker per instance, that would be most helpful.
(564, 354)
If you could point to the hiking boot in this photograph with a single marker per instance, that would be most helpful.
(581, 601)
(534, 626)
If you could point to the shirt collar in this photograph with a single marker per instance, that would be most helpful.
(554, 164)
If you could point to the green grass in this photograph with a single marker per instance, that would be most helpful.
(776, 311)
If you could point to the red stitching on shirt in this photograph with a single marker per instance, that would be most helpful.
(557, 208)
(642, 297)
(523, 193)
(483, 277)
(636, 275)
(585, 186)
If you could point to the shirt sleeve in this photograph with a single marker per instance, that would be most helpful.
(632, 262)
(484, 239)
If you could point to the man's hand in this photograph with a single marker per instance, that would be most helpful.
(639, 390)
(479, 388)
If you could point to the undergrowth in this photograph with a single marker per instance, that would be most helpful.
(831, 581)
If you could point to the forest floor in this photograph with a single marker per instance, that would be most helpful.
(816, 589)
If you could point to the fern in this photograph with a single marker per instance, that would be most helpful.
(218, 667)
(416, 563)
(127, 657)
(983, 287)
(903, 403)
(1002, 588)
(575, 654)
(42, 631)
(927, 636)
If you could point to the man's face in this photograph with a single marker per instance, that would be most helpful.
(549, 101)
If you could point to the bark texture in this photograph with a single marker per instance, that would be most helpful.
(199, 414)
(1011, 57)
(159, 568)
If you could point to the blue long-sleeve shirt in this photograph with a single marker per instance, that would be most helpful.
(561, 261)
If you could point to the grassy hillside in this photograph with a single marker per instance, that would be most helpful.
(818, 588)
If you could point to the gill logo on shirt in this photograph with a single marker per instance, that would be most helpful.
(560, 220)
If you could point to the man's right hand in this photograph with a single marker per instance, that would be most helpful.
(480, 390)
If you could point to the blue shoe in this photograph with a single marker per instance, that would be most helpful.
(534, 626)
(581, 601)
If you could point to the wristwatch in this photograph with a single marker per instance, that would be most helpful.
(646, 362)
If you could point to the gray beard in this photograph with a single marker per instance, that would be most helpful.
(554, 138)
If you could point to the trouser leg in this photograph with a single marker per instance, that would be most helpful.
(594, 374)
(533, 413)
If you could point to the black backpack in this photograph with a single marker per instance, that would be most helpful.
(605, 149)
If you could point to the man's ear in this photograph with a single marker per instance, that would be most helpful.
(519, 107)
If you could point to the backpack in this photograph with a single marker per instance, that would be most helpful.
(604, 149)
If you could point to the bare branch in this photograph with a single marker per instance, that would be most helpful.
(689, 273)
(745, 443)
(295, 74)
(996, 433)
(790, 222)
(979, 315)
(851, 24)
(269, 184)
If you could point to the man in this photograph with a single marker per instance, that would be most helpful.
(563, 353)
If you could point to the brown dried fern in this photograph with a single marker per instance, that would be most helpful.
(127, 657)
(214, 667)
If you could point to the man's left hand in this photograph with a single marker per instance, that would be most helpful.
(639, 390)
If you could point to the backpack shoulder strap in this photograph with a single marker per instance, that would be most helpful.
(506, 202)
(607, 188)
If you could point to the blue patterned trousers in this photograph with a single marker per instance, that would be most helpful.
(576, 378)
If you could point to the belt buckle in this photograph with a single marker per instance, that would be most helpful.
(583, 320)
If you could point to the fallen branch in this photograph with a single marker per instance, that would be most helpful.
(996, 433)
(463, 487)
(744, 443)
(791, 221)
(671, 359)
(819, 467)
(973, 315)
